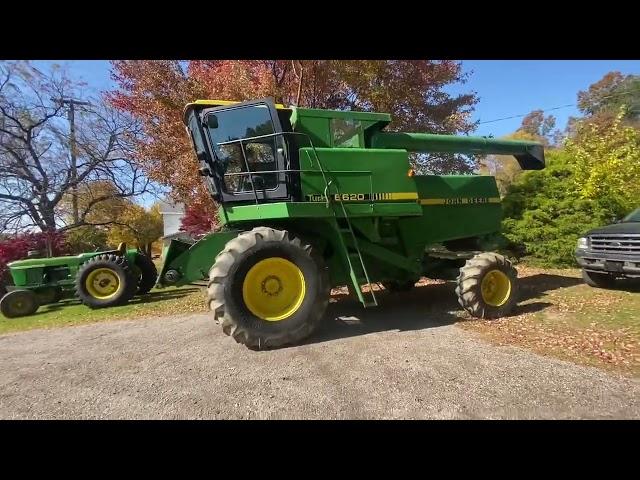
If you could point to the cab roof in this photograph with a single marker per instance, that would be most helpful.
(217, 103)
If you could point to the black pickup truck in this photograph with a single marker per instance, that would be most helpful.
(611, 252)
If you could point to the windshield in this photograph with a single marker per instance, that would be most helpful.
(226, 127)
(633, 216)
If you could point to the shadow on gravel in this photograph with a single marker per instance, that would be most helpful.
(536, 286)
(159, 295)
(425, 306)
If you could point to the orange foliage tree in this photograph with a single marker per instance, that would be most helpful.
(155, 93)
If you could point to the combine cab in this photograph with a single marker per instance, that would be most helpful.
(311, 199)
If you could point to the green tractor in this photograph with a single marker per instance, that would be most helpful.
(99, 279)
(312, 199)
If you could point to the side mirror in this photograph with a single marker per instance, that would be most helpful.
(212, 121)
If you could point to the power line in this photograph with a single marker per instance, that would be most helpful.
(556, 108)
(525, 114)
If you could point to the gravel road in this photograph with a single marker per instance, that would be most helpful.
(402, 360)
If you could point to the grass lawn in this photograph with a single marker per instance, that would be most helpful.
(70, 311)
(561, 316)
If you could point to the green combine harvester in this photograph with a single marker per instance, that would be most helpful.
(313, 199)
(309, 200)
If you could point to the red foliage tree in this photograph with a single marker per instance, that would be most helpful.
(17, 247)
(197, 221)
(155, 93)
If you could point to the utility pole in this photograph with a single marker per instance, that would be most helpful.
(72, 147)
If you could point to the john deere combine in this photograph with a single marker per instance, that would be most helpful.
(311, 199)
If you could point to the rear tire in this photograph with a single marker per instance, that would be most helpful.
(105, 281)
(268, 288)
(487, 286)
(19, 303)
(598, 280)
(148, 273)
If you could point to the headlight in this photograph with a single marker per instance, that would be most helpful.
(583, 243)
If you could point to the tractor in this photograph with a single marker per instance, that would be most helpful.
(312, 199)
(99, 279)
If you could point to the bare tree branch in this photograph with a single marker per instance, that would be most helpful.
(35, 168)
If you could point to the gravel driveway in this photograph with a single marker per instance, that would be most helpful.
(404, 359)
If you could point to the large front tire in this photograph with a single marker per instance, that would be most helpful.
(268, 288)
(487, 286)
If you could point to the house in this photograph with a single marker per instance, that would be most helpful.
(172, 214)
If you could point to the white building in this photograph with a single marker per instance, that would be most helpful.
(172, 214)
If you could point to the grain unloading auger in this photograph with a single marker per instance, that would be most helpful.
(311, 199)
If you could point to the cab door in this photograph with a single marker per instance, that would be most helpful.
(249, 151)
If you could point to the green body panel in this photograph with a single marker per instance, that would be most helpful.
(193, 261)
(359, 198)
(38, 273)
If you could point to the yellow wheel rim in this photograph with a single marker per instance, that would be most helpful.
(496, 288)
(103, 283)
(273, 289)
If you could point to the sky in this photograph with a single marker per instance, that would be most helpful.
(505, 87)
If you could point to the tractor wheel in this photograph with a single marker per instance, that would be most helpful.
(268, 288)
(487, 286)
(148, 273)
(19, 303)
(396, 287)
(105, 281)
(49, 295)
(597, 279)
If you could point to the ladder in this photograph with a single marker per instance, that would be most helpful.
(354, 261)
(351, 251)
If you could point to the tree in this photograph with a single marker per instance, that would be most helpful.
(603, 99)
(607, 163)
(197, 222)
(535, 126)
(506, 168)
(545, 213)
(137, 227)
(155, 93)
(16, 247)
(36, 172)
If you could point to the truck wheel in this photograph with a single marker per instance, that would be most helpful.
(148, 273)
(268, 288)
(597, 279)
(105, 281)
(487, 286)
(19, 303)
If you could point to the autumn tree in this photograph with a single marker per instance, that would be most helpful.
(137, 227)
(36, 173)
(197, 222)
(603, 99)
(537, 127)
(155, 93)
(607, 163)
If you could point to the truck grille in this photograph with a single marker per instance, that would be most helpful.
(623, 244)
